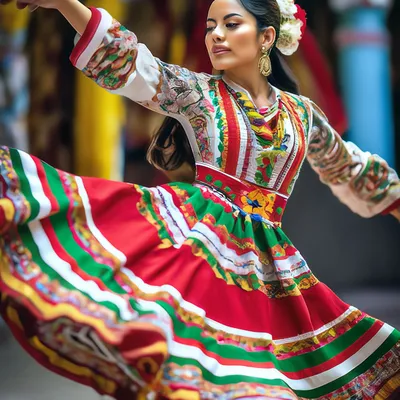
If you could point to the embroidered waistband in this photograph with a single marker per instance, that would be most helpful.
(255, 200)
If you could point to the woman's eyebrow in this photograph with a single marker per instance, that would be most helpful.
(226, 17)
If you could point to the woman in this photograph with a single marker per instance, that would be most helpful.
(189, 291)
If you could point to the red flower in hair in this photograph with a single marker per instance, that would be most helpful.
(302, 16)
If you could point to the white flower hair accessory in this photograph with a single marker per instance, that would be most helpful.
(293, 25)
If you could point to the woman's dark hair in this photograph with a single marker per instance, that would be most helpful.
(169, 147)
(171, 132)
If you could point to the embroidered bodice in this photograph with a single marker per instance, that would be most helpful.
(227, 131)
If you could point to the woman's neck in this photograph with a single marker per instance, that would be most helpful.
(254, 83)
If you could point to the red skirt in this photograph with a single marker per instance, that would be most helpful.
(175, 290)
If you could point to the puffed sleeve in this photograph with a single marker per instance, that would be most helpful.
(361, 180)
(110, 55)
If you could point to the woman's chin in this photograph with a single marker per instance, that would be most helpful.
(220, 67)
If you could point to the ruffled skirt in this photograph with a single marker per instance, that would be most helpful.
(173, 292)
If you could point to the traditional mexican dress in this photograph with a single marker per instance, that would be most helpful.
(191, 291)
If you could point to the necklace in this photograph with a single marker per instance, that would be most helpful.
(263, 110)
(264, 130)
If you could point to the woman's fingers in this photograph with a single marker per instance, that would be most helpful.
(31, 3)
(21, 5)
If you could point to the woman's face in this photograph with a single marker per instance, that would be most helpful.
(232, 38)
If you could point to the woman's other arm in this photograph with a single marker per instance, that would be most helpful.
(362, 181)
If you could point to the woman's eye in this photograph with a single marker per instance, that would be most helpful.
(232, 25)
(209, 29)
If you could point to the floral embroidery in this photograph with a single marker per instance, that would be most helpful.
(374, 181)
(266, 162)
(115, 59)
(221, 124)
(27, 271)
(368, 384)
(14, 206)
(77, 219)
(182, 92)
(256, 202)
(189, 379)
(264, 126)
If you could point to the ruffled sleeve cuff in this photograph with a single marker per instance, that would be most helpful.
(87, 44)
(394, 206)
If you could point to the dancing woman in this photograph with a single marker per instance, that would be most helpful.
(193, 290)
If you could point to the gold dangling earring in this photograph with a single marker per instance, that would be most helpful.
(265, 62)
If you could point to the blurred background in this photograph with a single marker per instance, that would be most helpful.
(348, 62)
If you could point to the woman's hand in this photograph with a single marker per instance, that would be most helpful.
(54, 4)
(73, 10)
(396, 214)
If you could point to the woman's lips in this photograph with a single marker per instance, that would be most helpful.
(217, 50)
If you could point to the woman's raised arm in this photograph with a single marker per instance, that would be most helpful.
(109, 54)
(75, 12)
